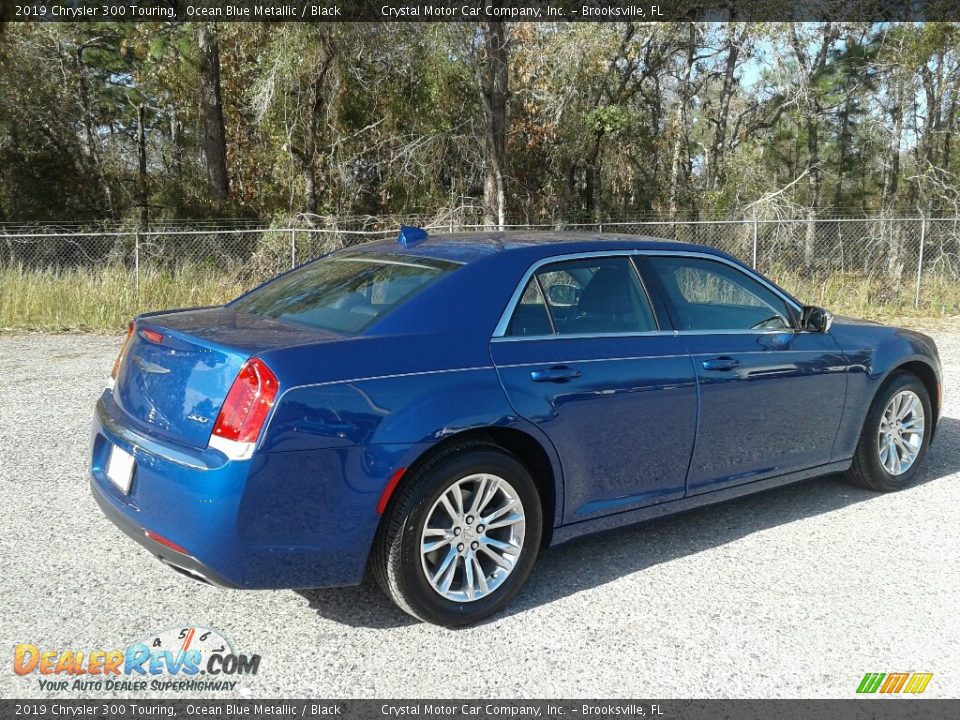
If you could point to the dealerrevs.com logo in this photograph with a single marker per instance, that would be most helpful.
(179, 659)
(893, 683)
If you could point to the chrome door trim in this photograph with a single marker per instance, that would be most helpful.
(593, 360)
(500, 332)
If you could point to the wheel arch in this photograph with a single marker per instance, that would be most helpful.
(923, 371)
(542, 465)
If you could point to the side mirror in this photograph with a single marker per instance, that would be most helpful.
(563, 295)
(816, 319)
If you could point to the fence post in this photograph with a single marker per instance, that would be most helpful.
(923, 237)
(293, 248)
(754, 264)
(136, 261)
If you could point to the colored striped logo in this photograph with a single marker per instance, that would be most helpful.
(889, 683)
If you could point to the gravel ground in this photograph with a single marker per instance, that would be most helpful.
(794, 593)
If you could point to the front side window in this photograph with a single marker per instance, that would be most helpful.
(710, 295)
(592, 296)
(344, 292)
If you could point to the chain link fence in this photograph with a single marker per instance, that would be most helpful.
(852, 265)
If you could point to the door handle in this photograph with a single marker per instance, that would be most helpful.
(721, 363)
(557, 373)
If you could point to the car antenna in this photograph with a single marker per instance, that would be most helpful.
(410, 235)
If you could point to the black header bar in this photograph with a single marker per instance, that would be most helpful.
(478, 10)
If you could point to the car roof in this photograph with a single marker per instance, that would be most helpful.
(468, 247)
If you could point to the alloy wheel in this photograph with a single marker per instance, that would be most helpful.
(472, 538)
(901, 432)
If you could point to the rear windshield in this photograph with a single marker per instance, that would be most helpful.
(344, 293)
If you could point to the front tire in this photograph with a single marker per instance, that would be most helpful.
(460, 539)
(895, 436)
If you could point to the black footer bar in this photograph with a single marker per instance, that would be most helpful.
(853, 709)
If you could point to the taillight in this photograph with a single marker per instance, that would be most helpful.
(151, 336)
(245, 410)
(123, 351)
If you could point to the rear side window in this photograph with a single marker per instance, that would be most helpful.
(531, 317)
(344, 292)
(709, 295)
(592, 296)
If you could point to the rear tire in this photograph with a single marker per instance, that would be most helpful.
(472, 574)
(888, 457)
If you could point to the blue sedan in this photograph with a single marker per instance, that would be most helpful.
(430, 412)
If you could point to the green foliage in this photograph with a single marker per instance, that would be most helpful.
(605, 119)
(609, 119)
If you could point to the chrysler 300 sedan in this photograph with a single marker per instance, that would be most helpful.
(430, 412)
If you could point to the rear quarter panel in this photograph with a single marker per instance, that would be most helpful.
(375, 422)
(404, 408)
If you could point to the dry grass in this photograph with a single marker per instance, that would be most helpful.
(873, 298)
(105, 299)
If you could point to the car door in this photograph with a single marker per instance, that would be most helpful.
(771, 396)
(580, 354)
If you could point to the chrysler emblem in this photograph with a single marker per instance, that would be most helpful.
(150, 367)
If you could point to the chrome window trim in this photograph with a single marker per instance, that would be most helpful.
(499, 333)
(646, 294)
(546, 306)
(581, 361)
(584, 336)
(748, 331)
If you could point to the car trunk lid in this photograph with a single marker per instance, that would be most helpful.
(178, 367)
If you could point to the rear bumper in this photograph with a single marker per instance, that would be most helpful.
(301, 519)
(185, 564)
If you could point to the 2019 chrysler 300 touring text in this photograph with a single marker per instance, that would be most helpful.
(432, 411)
